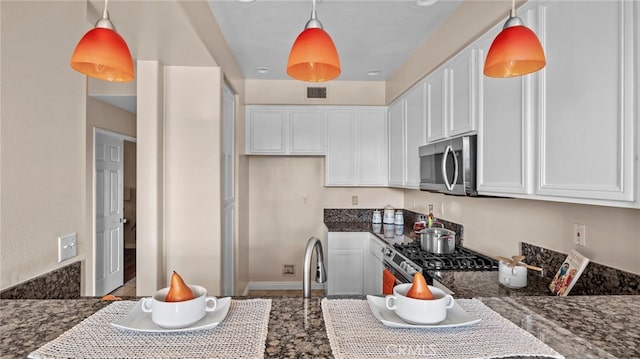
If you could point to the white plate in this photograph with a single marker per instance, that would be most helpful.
(140, 321)
(456, 316)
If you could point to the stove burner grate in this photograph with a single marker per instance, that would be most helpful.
(461, 259)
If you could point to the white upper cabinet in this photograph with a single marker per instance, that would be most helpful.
(285, 130)
(307, 131)
(452, 96)
(415, 132)
(396, 143)
(340, 161)
(436, 107)
(462, 77)
(356, 146)
(266, 129)
(588, 95)
(371, 151)
(505, 164)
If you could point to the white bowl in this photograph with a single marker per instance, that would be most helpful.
(419, 311)
(174, 315)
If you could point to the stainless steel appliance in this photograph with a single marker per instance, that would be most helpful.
(406, 258)
(449, 166)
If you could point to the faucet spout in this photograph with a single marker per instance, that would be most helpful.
(313, 245)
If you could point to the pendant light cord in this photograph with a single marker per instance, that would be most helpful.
(105, 13)
(313, 22)
(513, 8)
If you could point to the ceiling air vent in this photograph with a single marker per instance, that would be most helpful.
(316, 92)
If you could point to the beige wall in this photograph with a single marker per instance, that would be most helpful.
(192, 192)
(149, 171)
(42, 148)
(470, 20)
(290, 92)
(496, 226)
(280, 222)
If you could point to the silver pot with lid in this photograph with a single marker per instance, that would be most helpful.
(438, 240)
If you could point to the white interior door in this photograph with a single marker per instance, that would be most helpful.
(109, 259)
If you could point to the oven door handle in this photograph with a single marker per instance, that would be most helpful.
(448, 150)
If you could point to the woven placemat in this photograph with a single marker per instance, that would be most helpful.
(354, 332)
(242, 334)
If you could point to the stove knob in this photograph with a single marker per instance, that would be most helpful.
(411, 270)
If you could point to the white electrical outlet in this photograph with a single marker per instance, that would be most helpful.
(67, 247)
(354, 200)
(580, 234)
(441, 208)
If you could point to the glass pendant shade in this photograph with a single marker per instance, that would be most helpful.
(516, 51)
(313, 57)
(102, 53)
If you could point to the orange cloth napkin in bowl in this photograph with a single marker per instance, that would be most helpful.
(388, 281)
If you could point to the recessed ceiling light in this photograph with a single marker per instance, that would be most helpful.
(247, 1)
(263, 70)
(374, 72)
(425, 2)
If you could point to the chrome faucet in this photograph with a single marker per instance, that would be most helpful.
(321, 275)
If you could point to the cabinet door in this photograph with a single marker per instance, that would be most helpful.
(345, 272)
(462, 79)
(373, 275)
(347, 254)
(267, 130)
(436, 109)
(371, 148)
(396, 143)
(504, 143)
(587, 98)
(339, 163)
(307, 131)
(415, 133)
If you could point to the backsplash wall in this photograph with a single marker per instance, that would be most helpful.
(497, 226)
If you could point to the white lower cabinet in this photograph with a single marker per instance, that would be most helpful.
(354, 263)
(347, 254)
(373, 275)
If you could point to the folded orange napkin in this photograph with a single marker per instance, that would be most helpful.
(388, 281)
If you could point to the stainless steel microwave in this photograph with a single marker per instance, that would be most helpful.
(449, 166)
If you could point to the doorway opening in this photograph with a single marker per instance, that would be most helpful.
(115, 208)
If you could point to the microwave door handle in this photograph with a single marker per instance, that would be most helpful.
(455, 166)
(448, 184)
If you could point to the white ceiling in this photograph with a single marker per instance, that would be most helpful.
(368, 34)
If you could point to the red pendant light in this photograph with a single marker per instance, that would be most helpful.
(103, 54)
(313, 56)
(516, 51)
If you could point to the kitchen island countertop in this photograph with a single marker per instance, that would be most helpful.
(608, 326)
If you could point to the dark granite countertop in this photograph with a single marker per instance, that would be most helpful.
(577, 327)
(464, 284)
(474, 284)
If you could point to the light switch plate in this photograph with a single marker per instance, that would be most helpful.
(67, 247)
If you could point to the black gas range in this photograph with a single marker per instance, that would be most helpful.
(406, 258)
